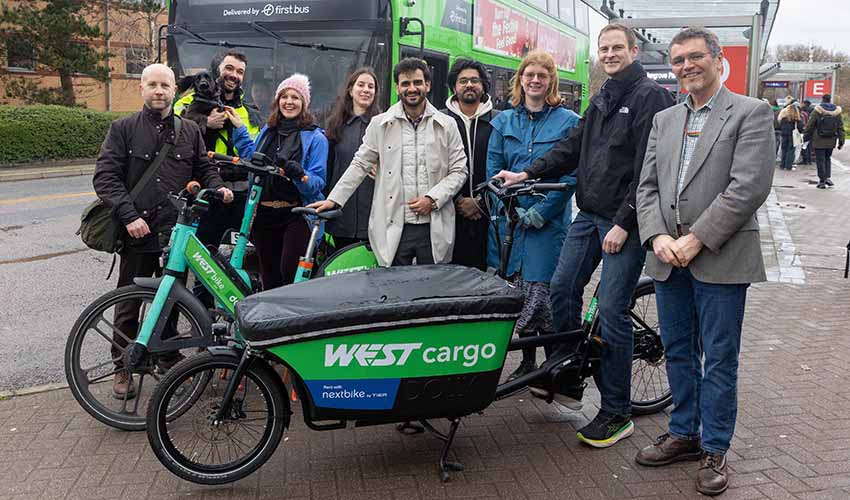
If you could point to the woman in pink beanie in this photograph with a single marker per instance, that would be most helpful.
(295, 143)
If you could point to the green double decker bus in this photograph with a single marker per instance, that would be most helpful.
(327, 39)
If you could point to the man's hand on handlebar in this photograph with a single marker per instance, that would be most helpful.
(228, 194)
(138, 228)
(323, 205)
(511, 178)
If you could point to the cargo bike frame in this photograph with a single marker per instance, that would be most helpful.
(392, 346)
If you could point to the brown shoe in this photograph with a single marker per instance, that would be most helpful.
(711, 476)
(166, 362)
(122, 386)
(667, 450)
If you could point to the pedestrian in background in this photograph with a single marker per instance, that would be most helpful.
(355, 106)
(296, 144)
(789, 121)
(527, 131)
(806, 148)
(706, 172)
(825, 129)
(472, 109)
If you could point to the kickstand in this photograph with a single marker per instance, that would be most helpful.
(447, 439)
(409, 428)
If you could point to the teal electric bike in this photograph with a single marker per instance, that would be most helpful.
(172, 321)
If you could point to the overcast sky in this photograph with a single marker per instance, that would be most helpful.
(822, 22)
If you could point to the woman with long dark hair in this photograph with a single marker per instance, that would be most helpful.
(355, 106)
(295, 143)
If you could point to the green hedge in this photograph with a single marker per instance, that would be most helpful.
(38, 133)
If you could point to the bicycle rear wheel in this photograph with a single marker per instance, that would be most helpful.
(95, 350)
(195, 447)
(650, 387)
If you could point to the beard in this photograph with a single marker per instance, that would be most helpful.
(419, 97)
(469, 97)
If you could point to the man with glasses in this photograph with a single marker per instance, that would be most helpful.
(708, 168)
(606, 150)
(472, 108)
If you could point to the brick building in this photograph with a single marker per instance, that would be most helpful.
(132, 46)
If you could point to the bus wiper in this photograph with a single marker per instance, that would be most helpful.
(187, 31)
(317, 46)
(199, 40)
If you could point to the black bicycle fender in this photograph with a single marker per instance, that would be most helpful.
(223, 350)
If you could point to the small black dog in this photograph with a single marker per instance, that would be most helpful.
(207, 99)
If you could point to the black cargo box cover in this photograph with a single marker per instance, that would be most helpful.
(373, 300)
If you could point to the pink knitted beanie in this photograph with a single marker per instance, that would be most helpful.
(299, 83)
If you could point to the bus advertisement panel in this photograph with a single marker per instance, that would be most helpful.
(498, 29)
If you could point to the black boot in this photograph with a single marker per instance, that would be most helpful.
(526, 366)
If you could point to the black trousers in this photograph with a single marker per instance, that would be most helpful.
(134, 265)
(281, 239)
(415, 244)
(823, 158)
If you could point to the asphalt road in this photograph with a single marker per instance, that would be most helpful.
(47, 276)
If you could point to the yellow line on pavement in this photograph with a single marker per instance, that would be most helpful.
(46, 197)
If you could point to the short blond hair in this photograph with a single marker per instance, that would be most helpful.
(541, 58)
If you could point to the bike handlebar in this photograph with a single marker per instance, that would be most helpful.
(525, 188)
(258, 164)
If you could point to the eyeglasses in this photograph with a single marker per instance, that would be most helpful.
(531, 76)
(468, 81)
(693, 57)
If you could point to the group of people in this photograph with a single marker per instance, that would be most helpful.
(819, 128)
(674, 188)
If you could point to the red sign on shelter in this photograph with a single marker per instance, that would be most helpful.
(817, 88)
(734, 74)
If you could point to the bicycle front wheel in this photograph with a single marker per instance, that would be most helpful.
(650, 387)
(196, 447)
(94, 356)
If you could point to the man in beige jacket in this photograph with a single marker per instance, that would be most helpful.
(420, 164)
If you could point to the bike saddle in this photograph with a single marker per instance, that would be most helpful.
(326, 215)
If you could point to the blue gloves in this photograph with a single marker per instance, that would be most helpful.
(530, 218)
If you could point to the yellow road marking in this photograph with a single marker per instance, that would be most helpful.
(46, 197)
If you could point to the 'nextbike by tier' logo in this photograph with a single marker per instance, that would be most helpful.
(398, 354)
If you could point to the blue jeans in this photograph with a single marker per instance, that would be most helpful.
(580, 255)
(697, 319)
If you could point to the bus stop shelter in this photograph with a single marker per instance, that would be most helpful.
(742, 24)
(794, 75)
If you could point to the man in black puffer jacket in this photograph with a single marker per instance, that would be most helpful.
(606, 150)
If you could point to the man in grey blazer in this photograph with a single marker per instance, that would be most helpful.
(708, 167)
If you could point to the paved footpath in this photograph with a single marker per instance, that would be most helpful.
(792, 439)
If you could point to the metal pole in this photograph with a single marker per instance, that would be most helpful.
(834, 85)
(755, 57)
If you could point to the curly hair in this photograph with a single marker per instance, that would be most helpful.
(462, 63)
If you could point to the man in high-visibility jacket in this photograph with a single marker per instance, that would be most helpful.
(231, 72)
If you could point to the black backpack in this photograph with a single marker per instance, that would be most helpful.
(828, 126)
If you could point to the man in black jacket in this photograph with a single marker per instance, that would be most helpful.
(607, 151)
(130, 147)
(472, 109)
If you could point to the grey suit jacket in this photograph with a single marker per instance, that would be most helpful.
(728, 179)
